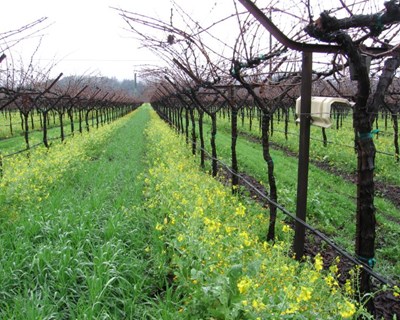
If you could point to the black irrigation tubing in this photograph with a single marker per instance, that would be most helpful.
(347, 114)
(340, 250)
(336, 144)
(21, 133)
(381, 132)
(330, 242)
(348, 121)
(21, 151)
(40, 129)
(34, 146)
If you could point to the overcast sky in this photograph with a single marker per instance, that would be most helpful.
(86, 35)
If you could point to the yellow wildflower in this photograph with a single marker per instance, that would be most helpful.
(314, 276)
(159, 227)
(246, 239)
(229, 229)
(305, 294)
(240, 210)
(318, 262)
(346, 309)
(258, 305)
(244, 285)
(396, 291)
(331, 281)
(293, 308)
(348, 288)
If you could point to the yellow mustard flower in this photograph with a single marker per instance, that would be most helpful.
(318, 262)
(244, 285)
(305, 294)
(159, 227)
(396, 291)
(258, 305)
(346, 309)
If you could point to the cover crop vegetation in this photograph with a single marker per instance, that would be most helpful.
(218, 264)
(331, 202)
(339, 151)
(91, 231)
(72, 234)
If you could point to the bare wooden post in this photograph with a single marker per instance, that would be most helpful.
(304, 148)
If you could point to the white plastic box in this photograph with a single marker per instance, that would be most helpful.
(320, 110)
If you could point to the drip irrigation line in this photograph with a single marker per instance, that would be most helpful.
(340, 250)
(332, 113)
(34, 146)
(40, 129)
(40, 143)
(30, 132)
(336, 144)
(318, 233)
(341, 145)
(381, 131)
(347, 119)
(23, 150)
(66, 126)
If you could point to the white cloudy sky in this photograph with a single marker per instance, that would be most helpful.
(86, 35)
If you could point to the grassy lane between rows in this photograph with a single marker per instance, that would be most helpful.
(34, 123)
(121, 223)
(339, 152)
(331, 200)
(17, 143)
(218, 264)
(74, 239)
(10, 144)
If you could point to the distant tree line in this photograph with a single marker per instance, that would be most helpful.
(127, 86)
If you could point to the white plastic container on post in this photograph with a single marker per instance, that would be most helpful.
(320, 110)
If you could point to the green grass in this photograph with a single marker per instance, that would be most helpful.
(221, 267)
(331, 200)
(98, 241)
(338, 154)
(15, 142)
(81, 253)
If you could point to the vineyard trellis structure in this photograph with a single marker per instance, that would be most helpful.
(196, 81)
(263, 195)
(173, 108)
(195, 86)
(72, 105)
